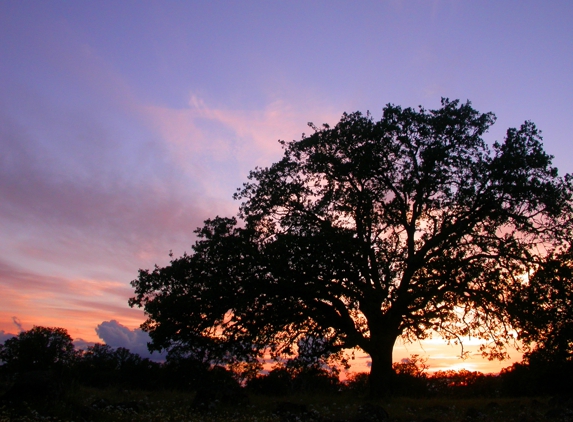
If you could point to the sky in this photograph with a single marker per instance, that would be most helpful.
(124, 125)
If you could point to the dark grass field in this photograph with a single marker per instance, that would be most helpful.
(87, 404)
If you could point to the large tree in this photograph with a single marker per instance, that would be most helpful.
(365, 232)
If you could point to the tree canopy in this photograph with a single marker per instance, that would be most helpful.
(364, 232)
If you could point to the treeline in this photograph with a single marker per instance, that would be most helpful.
(42, 351)
(532, 377)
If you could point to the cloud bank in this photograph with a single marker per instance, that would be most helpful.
(5, 336)
(116, 335)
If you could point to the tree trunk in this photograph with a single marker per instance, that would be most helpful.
(381, 372)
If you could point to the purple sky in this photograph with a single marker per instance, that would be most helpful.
(123, 125)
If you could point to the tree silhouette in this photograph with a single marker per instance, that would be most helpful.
(40, 348)
(365, 232)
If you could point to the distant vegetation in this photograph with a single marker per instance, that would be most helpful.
(102, 383)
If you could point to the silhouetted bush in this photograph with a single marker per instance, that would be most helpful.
(282, 381)
(102, 366)
(357, 383)
(517, 381)
(184, 373)
(316, 380)
(219, 388)
(463, 383)
(536, 378)
(410, 386)
(277, 382)
(97, 366)
(410, 377)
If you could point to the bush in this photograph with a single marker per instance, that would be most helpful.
(219, 387)
(316, 380)
(277, 382)
(357, 382)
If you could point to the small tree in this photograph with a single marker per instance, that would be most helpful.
(40, 348)
(414, 366)
(366, 232)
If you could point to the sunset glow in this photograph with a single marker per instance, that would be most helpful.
(124, 125)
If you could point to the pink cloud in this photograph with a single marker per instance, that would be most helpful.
(205, 141)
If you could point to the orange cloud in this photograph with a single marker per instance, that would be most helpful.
(75, 304)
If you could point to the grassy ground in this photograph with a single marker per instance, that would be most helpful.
(84, 404)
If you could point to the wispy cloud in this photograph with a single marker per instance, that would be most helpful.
(16, 321)
(217, 147)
